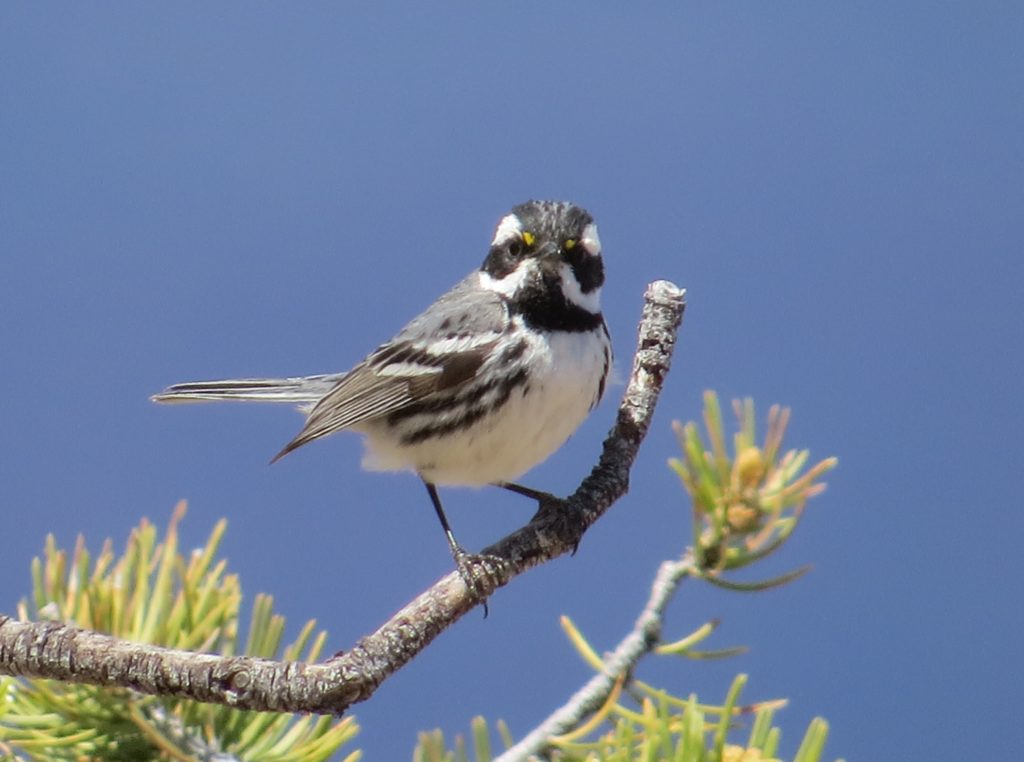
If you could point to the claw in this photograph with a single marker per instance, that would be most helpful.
(475, 569)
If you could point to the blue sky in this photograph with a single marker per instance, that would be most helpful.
(206, 191)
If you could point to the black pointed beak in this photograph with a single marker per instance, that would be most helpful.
(549, 252)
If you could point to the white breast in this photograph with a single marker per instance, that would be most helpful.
(566, 375)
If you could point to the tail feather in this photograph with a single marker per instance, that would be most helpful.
(303, 390)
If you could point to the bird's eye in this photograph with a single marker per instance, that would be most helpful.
(569, 243)
(515, 247)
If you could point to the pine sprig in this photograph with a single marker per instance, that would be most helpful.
(152, 593)
(745, 505)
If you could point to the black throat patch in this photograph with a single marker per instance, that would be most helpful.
(543, 306)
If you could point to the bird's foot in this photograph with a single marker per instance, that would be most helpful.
(548, 506)
(480, 573)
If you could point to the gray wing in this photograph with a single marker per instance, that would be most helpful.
(439, 351)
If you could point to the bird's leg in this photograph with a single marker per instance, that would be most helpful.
(533, 494)
(436, 500)
(470, 565)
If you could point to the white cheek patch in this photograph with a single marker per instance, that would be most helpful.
(571, 291)
(508, 285)
(590, 240)
(510, 227)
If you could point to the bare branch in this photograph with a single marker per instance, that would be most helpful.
(644, 636)
(63, 652)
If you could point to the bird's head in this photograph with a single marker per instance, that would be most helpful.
(549, 245)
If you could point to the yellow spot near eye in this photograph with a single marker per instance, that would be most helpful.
(529, 238)
(569, 243)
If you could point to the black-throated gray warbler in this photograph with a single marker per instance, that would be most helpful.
(486, 383)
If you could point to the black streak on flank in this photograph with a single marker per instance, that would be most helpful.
(604, 373)
(471, 394)
(472, 414)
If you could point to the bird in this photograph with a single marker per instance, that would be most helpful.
(486, 383)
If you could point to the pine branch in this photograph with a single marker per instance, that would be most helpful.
(640, 641)
(62, 652)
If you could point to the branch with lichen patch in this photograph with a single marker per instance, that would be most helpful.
(63, 652)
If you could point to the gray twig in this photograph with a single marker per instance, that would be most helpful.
(644, 636)
(63, 652)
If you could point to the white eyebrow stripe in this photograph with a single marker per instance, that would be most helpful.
(510, 227)
(590, 239)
